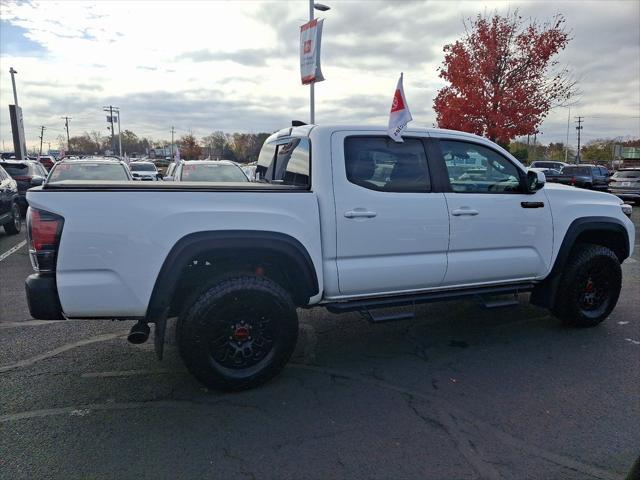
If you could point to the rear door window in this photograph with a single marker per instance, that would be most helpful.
(576, 171)
(379, 163)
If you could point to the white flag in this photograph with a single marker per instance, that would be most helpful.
(400, 114)
(310, 39)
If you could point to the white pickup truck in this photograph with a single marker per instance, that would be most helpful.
(342, 217)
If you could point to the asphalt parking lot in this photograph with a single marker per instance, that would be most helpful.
(462, 392)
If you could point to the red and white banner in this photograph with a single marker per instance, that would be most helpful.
(400, 114)
(310, 37)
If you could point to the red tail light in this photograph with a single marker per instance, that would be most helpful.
(43, 230)
(573, 180)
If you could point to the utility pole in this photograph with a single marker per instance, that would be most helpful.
(172, 132)
(566, 145)
(579, 128)
(119, 135)
(42, 129)
(66, 126)
(110, 110)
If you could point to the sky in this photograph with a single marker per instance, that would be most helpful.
(204, 66)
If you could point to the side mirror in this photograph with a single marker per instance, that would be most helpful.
(535, 181)
(36, 181)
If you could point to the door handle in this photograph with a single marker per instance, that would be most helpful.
(532, 204)
(464, 211)
(359, 214)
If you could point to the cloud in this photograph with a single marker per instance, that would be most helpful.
(248, 57)
(235, 65)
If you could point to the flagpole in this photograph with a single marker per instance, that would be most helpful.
(312, 91)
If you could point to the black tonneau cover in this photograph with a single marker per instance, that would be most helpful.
(118, 186)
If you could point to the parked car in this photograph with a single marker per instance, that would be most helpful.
(47, 161)
(325, 225)
(145, 171)
(591, 177)
(625, 183)
(550, 174)
(10, 217)
(95, 168)
(27, 174)
(250, 171)
(168, 174)
(548, 164)
(208, 171)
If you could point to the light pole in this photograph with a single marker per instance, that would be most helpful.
(312, 91)
(13, 82)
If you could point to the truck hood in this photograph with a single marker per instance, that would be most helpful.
(579, 194)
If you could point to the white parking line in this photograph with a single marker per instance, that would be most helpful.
(13, 249)
(52, 353)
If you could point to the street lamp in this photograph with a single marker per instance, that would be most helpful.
(13, 82)
(312, 92)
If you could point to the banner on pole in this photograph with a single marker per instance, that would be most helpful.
(310, 39)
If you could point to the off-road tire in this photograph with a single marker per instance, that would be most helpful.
(591, 272)
(237, 316)
(14, 226)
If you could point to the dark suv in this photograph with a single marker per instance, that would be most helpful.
(27, 174)
(9, 211)
(592, 177)
(625, 183)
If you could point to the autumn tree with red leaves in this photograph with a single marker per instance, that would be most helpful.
(500, 77)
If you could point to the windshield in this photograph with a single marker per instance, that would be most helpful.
(142, 167)
(211, 172)
(627, 174)
(88, 171)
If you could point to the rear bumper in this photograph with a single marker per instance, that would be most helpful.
(626, 195)
(42, 297)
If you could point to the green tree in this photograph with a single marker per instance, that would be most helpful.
(519, 150)
(597, 150)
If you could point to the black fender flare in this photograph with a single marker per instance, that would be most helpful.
(195, 243)
(544, 293)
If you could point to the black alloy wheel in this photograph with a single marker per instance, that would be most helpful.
(238, 333)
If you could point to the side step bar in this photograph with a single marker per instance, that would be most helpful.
(374, 317)
(366, 304)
